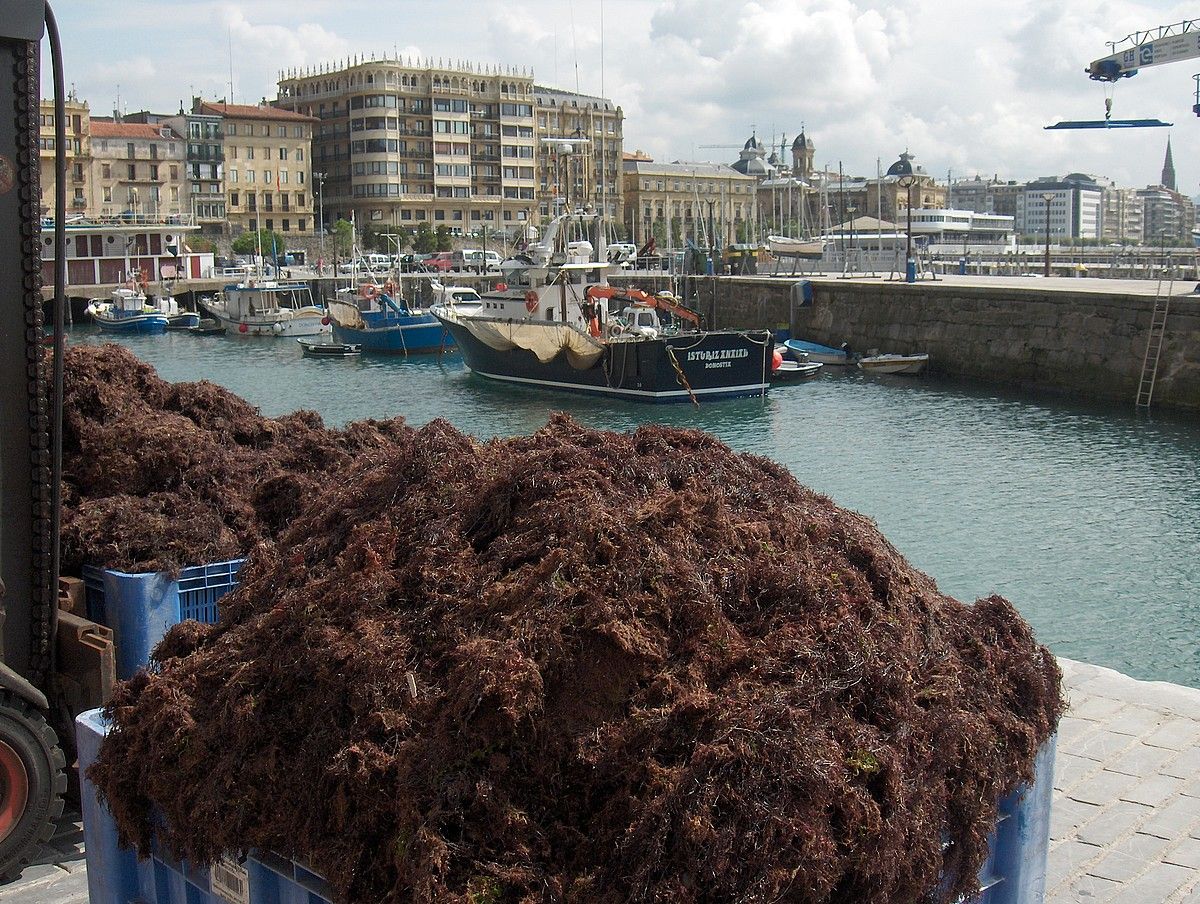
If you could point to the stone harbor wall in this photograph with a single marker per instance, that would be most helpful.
(1085, 343)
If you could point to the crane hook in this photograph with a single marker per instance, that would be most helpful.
(1107, 108)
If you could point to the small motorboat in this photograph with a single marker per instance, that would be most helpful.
(207, 326)
(184, 320)
(329, 349)
(814, 351)
(794, 371)
(894, 364)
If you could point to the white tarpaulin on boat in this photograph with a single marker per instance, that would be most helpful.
(346, 315)
(546, 340)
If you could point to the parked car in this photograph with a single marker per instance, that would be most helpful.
(476, 260)
(442, 261)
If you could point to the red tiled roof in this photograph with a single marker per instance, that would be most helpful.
(101, 129)
(252, 111)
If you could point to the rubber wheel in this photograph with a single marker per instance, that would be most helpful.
(32, 782)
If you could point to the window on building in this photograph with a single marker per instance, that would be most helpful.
(287, 225)
(439, 214)
(250, 152)
(270, 225)
(105, 171)
(231, 128)
(154, 171)
(250, 176)
(132, 171)
(129, 150)
(108, 193)
(174, 172)
(281, 132)
(233, 199)
(283, 153)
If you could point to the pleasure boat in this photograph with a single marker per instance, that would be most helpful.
(269, 308)
(555, 323)
(814, 351)
(894, 364)
(782, 246)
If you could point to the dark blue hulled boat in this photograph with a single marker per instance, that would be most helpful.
(556, 324)
(128, 312)
(379, 322)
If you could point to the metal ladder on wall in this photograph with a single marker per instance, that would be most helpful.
(1154, 341)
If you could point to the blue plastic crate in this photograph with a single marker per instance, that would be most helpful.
(1015, 871)
(141, 607)
(116, 876)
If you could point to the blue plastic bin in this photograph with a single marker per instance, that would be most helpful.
(116, 876)
(141, 607)
(1015, 871)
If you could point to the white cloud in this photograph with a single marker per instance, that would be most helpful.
(966, 87)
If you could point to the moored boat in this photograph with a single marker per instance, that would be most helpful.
(329, 349)
(556, 324)
(127, 312)
(894, 364)
(795, 371)
(378, 320)
(207, 326)
(822, 354)
(269, 308)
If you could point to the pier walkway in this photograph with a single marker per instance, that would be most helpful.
(1125, 824)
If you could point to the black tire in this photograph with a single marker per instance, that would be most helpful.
(25, 737)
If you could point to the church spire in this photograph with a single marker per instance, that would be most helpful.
(1168, 173)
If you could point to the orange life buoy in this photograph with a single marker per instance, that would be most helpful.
(366, 290)
(531, 301)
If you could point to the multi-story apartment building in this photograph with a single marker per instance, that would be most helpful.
(678, 201)
(589, 173)
(79, 156)
(204, 166)
(267, 160)
(1124, 215)
(1074, 201)
(137, 170)
(1169, 216)
(986, 195)
(399, 144)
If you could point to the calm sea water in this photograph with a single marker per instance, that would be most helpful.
(1086, 517)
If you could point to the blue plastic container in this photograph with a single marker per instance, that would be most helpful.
(141, 607)
(1015, 871)
(116, 876)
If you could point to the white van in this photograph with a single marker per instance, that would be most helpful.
(476, 260)
(378, 263)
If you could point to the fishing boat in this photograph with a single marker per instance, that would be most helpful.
(179, 319)
(894, 364)
(329, 349)
(379, 320)
(795, 371)
(555, 323)
(822, 354)
(268, 308)
(127, 312)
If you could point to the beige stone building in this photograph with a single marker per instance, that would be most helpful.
(79, 157)
(401, 143)
(137, 170)
(268, 167)
(591, 172)
(678, 201)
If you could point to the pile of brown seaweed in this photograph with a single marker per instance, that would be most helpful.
(584, 666)
(159, 475)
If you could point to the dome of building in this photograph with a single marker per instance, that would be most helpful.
(798, 144)
(751, 144)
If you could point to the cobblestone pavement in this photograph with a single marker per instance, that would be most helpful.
(1125, 824)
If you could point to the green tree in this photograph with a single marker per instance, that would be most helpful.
(444, 241)
(201, 245)
(659, 230)
(424, 242)
(248, 243)
(343, 237)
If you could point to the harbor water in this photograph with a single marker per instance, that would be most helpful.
(1086, 517)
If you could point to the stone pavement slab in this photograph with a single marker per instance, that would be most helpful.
(1126, 812)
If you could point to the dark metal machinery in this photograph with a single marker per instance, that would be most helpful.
(32, 778)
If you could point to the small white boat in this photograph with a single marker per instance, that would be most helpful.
(788, 247)
(329, 349)
(894, 364)
(793, 371)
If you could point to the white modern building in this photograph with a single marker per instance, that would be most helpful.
(963, 229)
(1075, 208)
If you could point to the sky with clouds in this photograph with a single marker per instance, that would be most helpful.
(966, 87)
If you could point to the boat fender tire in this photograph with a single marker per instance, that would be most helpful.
(531, 301)
(614, 330)
(32, 783)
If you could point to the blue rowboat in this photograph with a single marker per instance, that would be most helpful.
(822, 354)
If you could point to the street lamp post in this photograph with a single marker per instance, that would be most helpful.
(1047, 197)
(320, 177)
(906, 178)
